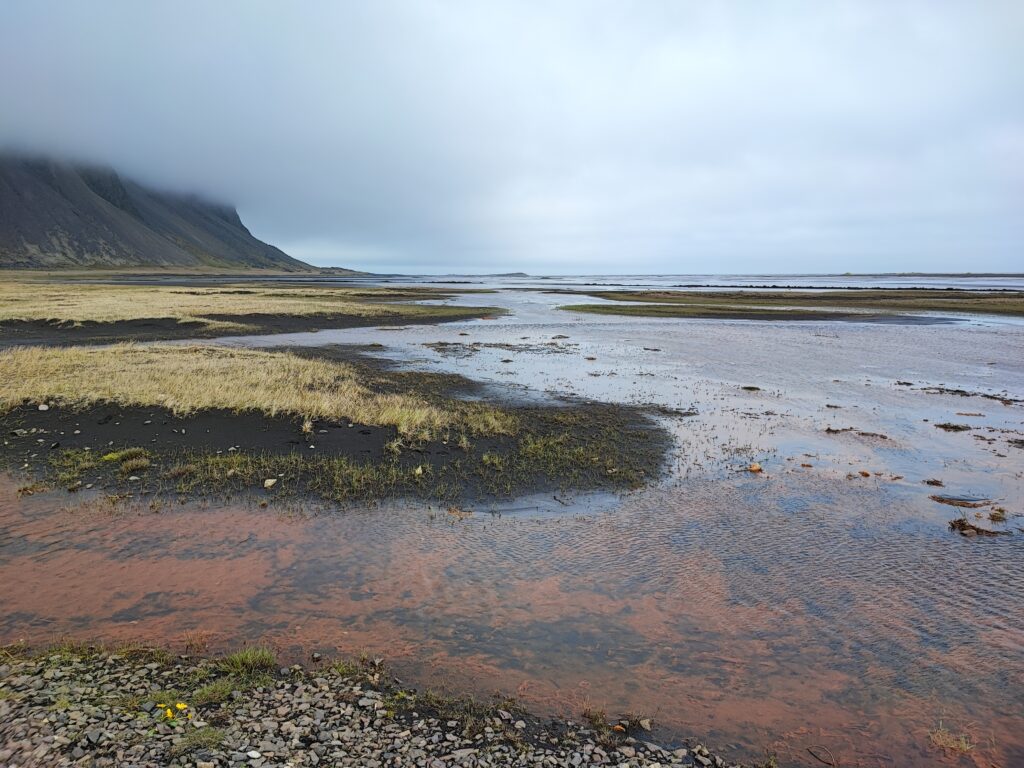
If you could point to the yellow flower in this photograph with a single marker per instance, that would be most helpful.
(180, 705)
(169, 714)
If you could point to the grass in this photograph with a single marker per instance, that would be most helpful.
(708, 303)
(557, 448)
(944, 739)
(196, 739)
(69, 465)
(698, 312)
(229, 308)
(186, 379)
(472, 714)
(216, 692)
(253, 664)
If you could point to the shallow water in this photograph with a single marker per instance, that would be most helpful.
(805, 605)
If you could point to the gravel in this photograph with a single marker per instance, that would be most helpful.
(101, 708)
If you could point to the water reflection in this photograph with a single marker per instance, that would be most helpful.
(758, 612)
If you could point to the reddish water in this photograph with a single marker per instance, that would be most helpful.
(741, 612)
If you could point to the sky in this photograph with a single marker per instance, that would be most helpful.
(578, 136)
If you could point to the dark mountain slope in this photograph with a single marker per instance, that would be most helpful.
(55, 215)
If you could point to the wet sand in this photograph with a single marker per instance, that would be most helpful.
(808, 604)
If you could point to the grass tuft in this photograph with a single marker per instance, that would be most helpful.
(250, 664)
(947, 741)
(199, 738)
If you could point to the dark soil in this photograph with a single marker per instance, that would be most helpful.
(215, 452)
(965, 528)
(1004, 399)
(55, 332)
(686, 312)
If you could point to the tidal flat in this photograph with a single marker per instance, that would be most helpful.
(821, 600)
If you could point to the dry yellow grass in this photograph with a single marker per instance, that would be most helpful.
(190, 378)
(947, 741)
(105, 303)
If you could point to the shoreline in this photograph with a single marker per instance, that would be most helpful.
(76, 704)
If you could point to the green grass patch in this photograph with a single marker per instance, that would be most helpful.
(253, 664)
(69, 465)
(215, 692)
(890, 299)
(196, 739)
(704, 312)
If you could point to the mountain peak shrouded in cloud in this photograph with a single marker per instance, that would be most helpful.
(440, 136)
(59, 214)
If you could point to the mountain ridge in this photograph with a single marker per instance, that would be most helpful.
(57, 214)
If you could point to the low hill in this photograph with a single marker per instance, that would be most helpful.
(56, 215)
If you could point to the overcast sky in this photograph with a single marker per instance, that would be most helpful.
(553, 137)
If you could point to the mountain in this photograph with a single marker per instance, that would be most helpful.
(55, 214)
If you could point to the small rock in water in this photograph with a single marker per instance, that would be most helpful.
(755, 467)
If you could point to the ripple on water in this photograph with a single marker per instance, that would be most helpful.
(751, 611)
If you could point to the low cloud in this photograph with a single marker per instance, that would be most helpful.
(588, 136)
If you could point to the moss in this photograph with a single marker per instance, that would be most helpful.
(128, 454)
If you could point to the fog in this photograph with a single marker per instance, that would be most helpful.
(572, 137)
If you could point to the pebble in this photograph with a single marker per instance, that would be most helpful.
(303, 717)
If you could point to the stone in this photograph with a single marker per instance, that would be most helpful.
(270, 482)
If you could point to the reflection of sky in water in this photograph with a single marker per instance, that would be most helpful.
(692, 598)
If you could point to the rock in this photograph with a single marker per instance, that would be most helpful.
(270, 482)
(44, 407)
(755, 468)
(254, 755)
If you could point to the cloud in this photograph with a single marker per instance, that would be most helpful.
(588, 136)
